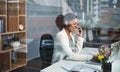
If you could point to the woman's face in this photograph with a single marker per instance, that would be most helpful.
(73, 26)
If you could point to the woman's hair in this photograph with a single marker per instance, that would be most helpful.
(60, 22)
(69, 18)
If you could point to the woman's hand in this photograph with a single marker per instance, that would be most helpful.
(80, 31)
(95, 58)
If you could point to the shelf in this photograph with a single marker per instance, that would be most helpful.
(22, 15)
(20, 47)
(15, 66)
(12, 16)
(13, 48)
(13, 1)
(13, 45)
(19, 63)
(3, 15)
(13, 32)
(20, 60)
(6, 50)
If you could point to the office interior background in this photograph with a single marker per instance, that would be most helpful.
(100, 20)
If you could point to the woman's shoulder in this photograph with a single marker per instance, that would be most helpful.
(61, 33)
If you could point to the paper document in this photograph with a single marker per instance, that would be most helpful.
(79, 68)
(93, 62)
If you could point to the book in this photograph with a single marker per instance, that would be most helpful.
(2, 26)
(13, 1)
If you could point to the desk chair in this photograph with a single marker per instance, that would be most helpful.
(46, 49)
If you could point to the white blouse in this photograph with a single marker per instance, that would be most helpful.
(65, 49)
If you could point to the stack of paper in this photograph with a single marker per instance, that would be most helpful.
(79, 68)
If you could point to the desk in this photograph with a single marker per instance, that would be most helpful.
(57, 67)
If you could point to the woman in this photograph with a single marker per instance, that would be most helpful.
(66, 47)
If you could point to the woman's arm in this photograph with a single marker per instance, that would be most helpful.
(64, 44)
(79, 44)
(79, 39)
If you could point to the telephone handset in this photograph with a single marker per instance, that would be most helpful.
(79, 33)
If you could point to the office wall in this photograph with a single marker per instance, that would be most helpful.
(41, 16)
(37, 26)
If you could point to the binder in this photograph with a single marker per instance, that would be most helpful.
(2, 25)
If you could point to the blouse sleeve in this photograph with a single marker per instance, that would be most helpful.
(64, 44)
(79, 43)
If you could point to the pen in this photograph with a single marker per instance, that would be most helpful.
(65, 69)
(69, 70)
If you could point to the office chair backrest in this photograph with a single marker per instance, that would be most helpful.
(46, 49)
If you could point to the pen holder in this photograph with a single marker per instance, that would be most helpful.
(106, 67)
